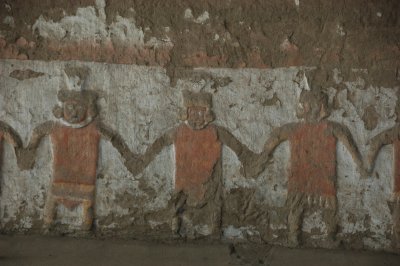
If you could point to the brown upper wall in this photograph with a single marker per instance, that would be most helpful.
(235, 34)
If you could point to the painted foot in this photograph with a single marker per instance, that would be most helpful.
(293, 241)
(46, 228)
(86, 226)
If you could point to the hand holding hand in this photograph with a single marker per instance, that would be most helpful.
(134, 164)
(25, 158)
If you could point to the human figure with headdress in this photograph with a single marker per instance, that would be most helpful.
(312, 171)
(198, 174)
(75, 145)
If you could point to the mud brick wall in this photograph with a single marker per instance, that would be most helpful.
(263, 121)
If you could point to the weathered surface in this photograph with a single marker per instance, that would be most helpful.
(139, 106)
(197, 152)
(75, 155)
(264, 121)
(313, 161)
(185, 34)
(396, 165)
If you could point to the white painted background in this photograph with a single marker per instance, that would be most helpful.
(141, 105)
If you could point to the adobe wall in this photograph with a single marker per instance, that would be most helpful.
(320, 182)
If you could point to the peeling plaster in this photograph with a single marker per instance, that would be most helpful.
(201, 19)
(89, 23)
(141, 105)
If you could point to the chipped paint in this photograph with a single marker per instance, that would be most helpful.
(201, 19)
(89, 24)
(140, 104)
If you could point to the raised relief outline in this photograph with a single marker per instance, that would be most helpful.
(75, 143)
(193, 196)
(309, 187)
(11, 136)
(387, 137)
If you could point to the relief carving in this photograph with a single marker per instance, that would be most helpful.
(387, 137)
(75, 144)
(198, 180)
(198, 199)
(312, 170)
(8, 134)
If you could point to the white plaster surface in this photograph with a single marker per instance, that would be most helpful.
(140, 104)
(89, 24)
(201, 19)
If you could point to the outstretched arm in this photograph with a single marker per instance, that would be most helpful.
(11, 135)
(116, 140)
(131, 160)
(157, 146)
(228, 139)
(343, 135)
(244, 154)
(134, 163)
(253, 164)
(278, 136)
(377, 142)
(26, 156)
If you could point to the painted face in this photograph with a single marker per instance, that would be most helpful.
(303, 109)
(311, 112)
(197, 117)
(74, 111)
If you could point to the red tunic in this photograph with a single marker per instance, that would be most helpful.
(313, 160)
(396, 150)
(75, 153)
(196, 154)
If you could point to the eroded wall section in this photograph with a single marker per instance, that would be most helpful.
(273, 122)
(238, 159)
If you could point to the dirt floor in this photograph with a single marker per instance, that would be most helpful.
(38, 250)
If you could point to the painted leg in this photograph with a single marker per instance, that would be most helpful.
(331, 222)
(209, 216)
(88, 214)
(395, 210)
(177, 220)
(213, 218)
(204, 221)
(216, 222)
(295, 220)
(49, 211)
(396, 229)
(216, 209)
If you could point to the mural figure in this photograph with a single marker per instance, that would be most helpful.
(10, 135)
(390, 136)
(198, 179)
(75, 144)
(312, 171)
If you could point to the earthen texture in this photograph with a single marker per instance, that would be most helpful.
(263, 121)
(185, 34)
(138, 103)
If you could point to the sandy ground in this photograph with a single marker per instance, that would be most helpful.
(60, 251)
